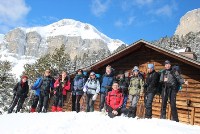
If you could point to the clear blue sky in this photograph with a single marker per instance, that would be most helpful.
(127, 20)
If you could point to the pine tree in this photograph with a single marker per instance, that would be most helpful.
(7, 82)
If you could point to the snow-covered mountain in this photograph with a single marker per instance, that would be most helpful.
(77, 37)
(72, 28)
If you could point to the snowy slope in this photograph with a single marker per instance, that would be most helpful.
(70, 27)
(88, 123)
(16, 61)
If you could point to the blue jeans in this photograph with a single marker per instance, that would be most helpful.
(125, 101)
(102, 101)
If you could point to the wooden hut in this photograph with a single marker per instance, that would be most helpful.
(141, 53)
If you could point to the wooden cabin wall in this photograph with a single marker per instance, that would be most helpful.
(144, 56)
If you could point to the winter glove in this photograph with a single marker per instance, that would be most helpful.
(115, 112)
(94, 97)
(146, 85)
(84, 94)
(32, 87)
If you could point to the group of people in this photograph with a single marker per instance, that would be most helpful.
(114, 90)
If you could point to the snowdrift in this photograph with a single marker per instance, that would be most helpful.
(88, 123)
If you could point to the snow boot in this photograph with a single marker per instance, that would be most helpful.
(10, 111)
(59, 109)
(54, 109)
(44, 110)
(32, 110)
(132, 112)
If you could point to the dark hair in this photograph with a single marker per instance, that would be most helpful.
(115, 82)
(80, 70)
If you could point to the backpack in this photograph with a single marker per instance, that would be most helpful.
(159, 87)
(174, 69)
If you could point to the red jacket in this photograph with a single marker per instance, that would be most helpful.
(65, 88)
(114, 99)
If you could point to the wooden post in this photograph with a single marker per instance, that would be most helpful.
(169, 111)
(192, 116)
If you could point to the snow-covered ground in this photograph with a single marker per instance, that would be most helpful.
(88, 123)
(179, 50)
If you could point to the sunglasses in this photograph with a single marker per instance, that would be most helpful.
(92, 75)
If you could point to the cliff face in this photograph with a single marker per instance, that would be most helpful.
(190, 22)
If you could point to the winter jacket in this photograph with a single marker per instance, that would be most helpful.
(62, 87)
(79, 82)
(114, 99)
(136, 86)
(36, 86)
(123, 84)
(174, 79)
(107, 81)
(21, 89)
(152, 82)
(47, 84)
(92, 86)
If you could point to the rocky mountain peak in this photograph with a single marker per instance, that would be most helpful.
(190, 22)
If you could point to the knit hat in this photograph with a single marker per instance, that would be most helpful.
(24, 76)
(92, 73)
(135, 69)
(150, 66)
(167, 62)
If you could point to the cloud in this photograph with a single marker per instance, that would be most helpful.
(98, 7)
(128, 22)
(143, 2)
(166, 10)
(12, 14)
(128, 4)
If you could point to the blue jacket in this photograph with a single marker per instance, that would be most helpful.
(36, 86)
(107, 81)
(79, 83)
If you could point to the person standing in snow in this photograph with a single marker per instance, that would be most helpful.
(123, 84)
(91, 90)
(135, 91)
(78, 84)
(62, 86)
(20, 90)
(114, 102)
(151, 85)
(36, 87)
(45, 89)
(170, 80)
(107, 80)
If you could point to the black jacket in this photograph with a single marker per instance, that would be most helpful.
(123, 84)
(174, 79)
(21, 90)
(152, 82)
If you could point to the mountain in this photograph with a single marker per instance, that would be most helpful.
(77, 37)
(187, 34)
(190, 22)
